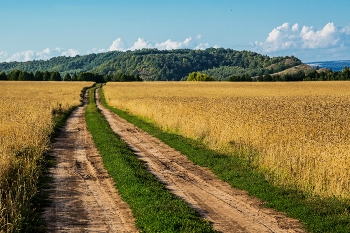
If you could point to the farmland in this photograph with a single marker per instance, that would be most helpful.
(297, 133)
(27, 118)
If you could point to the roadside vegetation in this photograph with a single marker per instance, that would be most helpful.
(278, 156)
(29, 113)
(155, 209)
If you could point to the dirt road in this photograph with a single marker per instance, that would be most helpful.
(228, 209)
(84, 197)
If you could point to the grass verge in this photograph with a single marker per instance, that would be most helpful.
(155, 209)
(318, 215)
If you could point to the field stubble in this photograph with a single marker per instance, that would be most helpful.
(298, 133)
(26, 122)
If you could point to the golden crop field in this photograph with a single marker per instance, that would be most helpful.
(26, 121)
(298, 133)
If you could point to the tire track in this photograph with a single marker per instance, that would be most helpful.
(84, 198)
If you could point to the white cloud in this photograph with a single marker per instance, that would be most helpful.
(345, 30)
(22, 56)
(295, 27)
(169, 44)
(202, 46)
(140, 44)
(297, 40)
(280, 38)
(3, 56)
(328, 36)
(96, 50)
(44, 55)
(30, 55)
(70, 53)
(287, 36)
(118, 45)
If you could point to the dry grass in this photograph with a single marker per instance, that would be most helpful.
(25, 125)
(298, 133)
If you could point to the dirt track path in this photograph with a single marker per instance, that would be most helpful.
(228, 209)
(84, 196)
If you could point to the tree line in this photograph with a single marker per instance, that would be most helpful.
(18, 75)
(314, 75)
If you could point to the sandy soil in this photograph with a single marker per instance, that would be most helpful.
(83, 195)
(228, 209)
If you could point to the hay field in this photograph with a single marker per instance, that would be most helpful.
(26, 121)
(298, 133)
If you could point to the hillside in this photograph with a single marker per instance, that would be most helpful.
(303, 67)
(153, 64)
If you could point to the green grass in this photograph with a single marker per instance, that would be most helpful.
(317, 214)
(155, 209)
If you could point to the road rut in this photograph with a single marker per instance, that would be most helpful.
(84, 198)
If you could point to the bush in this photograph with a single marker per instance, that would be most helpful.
(197, 76)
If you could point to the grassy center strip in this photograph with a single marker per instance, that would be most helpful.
(155, 209)
(318, 215)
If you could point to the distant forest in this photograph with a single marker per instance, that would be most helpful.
(17, 75)
(149, 65)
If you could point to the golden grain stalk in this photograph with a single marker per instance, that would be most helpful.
(297, 132)
(26, 122)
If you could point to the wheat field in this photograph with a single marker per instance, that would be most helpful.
(26, 122)
(297, 133)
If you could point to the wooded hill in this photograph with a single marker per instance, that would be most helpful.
(161, 65)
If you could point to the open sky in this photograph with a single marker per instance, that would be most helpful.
(312, 30)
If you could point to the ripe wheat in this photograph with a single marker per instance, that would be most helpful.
(298, 133)
(26, 122)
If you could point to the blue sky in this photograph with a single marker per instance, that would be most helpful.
(312, 30)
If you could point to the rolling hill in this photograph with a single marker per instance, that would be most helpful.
(162, 65)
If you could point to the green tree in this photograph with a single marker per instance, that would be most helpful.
(22, 76)
(67, 77)
(75, 77)
(25, 76)
(46, 76)
(345, 73)
(3, 76)
(31, 76)
(197, 76)
(267, 78)
(13, 75)
(38, 76)
(55, 76)
(88, 76)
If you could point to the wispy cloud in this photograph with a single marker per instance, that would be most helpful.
(306, 40)
(169, 44)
